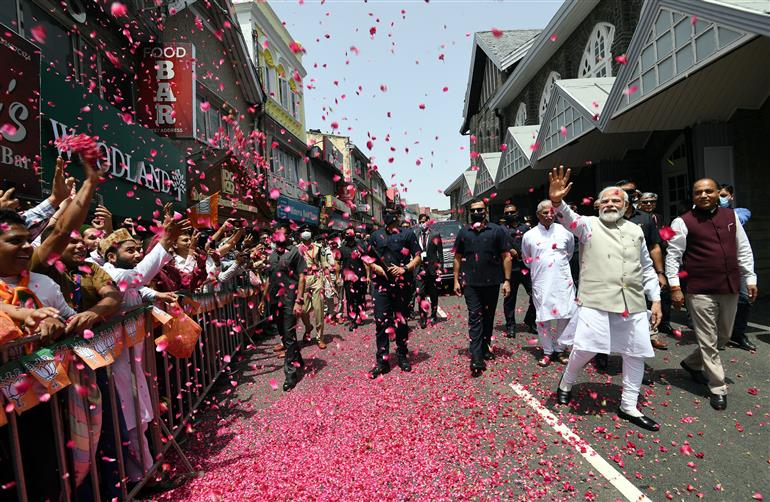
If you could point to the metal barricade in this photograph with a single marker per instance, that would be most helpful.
(112, 364)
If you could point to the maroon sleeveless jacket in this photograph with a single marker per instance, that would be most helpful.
(711, 256)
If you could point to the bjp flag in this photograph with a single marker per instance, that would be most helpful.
(204, 213)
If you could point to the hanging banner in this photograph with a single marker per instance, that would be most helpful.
(19, 114)
(166, 89)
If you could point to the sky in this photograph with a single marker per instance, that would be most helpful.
(395, 73)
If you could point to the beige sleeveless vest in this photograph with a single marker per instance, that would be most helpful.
(611, 269)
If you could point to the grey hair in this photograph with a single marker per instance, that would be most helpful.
(649, 195)
(542, 204)
(616, 189)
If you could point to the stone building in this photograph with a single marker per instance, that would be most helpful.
(664, 93)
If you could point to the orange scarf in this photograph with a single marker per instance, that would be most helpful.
(20, 295)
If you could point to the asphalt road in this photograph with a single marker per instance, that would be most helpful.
(437, 433)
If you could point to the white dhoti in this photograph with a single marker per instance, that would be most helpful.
(594, 331)
(607, 332)
(549, 333)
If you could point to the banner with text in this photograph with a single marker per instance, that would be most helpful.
(166, 89)
(19, 114)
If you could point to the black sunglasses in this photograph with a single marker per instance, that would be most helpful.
(477, 210)
(514, 213)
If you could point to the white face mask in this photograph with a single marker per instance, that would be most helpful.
(305, 236)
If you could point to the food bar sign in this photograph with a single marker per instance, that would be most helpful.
(166, 83)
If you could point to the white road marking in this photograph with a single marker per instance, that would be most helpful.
(615, 477)
(765, 329)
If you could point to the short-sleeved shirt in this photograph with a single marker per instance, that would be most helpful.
(482, 254)
(516, 235)
(284, 270)
(80, 288)
(350, 258)
(648, 226)
(395, 248)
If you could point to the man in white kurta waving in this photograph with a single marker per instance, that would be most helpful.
(546, 250)
(615, 274)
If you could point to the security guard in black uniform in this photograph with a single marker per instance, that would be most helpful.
(394, 254)
(519, 273)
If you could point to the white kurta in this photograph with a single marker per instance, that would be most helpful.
(605, 332)
(133, 280)
(547, 251)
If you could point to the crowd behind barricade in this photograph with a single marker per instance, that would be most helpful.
(81, 299)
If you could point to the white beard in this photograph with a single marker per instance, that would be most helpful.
(610, 217)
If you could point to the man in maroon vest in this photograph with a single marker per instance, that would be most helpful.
(712, 251)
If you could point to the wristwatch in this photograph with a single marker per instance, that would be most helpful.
(507, 279)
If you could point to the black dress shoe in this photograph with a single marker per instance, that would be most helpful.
(742, 343)
(381, 369)
(477, 368)
(696, 375)
(563, 396)
(647, 379)
(510, 333)
(403, 363)
(532, 328)
(644, 422)
(288, 385)
(423, 323)
(489, 356)
(601, 361)
(718, 402)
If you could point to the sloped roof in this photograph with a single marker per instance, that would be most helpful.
(491, 163)
(503, 50)
(470, 179)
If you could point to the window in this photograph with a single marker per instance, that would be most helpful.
(285, 165)
(8, 14)
(597, 56)
(58, 53)
(89, 64)
(676, 45)
(521, 116)
(284, 93)
(547, 90)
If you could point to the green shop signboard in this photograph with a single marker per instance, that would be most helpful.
(144, 166)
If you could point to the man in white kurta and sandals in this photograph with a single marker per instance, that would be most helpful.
(616, 273)
(546, 250)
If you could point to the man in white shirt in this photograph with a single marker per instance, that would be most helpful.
(131, 272)
(546, 250)
(616, 272)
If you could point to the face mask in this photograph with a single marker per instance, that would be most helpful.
(305, 236)
(511, 218)
(477, 217)
(724, 201)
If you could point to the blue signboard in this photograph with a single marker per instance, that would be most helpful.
(290, 209)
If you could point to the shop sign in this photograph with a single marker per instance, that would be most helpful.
(144, 166)
(332, 155)
(19, 114)
(289, 209)
(166, 89)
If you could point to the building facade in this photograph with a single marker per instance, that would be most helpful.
(278, 59)
(662, 92)
(69, 59)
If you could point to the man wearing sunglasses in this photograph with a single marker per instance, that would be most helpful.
(482, 261)
(519, 273)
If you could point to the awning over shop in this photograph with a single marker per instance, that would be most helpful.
(569, 134)
(294, 210)
(487, 173)
(689, 62)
